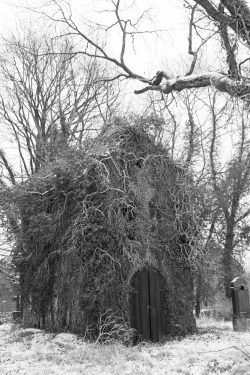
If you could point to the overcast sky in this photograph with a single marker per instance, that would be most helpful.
(150, 51)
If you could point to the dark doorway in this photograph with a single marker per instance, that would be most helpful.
(147, 314)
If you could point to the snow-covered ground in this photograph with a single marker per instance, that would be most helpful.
(216, 349)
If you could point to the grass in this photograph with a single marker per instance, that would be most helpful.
(215, 349)
(210, 321)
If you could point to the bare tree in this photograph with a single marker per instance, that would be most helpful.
(230, 19)
(230, 181)
(197, 138)
(48, 101)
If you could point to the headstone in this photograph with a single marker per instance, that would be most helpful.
(241, 308)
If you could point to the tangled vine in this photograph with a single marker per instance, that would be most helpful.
(92, 218)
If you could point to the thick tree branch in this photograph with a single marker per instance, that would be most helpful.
(230, 49)
(236, 16)
(190, 43)
(219, 81)
(215, 14)
(231, 60)
(238, 20)
(239, 9)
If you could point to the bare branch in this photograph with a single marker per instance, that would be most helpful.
(230, 50)
(219, 81)
(191, 140)
(238, 20)
(240, 64)
(8, 167)
(190, 42)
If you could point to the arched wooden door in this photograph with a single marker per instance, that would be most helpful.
(147, 315)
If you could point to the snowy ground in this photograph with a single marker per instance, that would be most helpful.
(216, 349)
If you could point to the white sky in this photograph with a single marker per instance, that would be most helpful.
(168, 15)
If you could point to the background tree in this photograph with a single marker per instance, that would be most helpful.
(230, 187)
(48, 100)
(195, 139)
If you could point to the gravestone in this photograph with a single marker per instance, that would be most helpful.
(241, 308)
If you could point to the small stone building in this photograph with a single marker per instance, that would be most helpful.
(108, 241)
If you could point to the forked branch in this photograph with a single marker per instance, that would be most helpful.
(233, 18)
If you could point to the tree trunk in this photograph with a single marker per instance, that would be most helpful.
(198, 295)
(228, 261)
